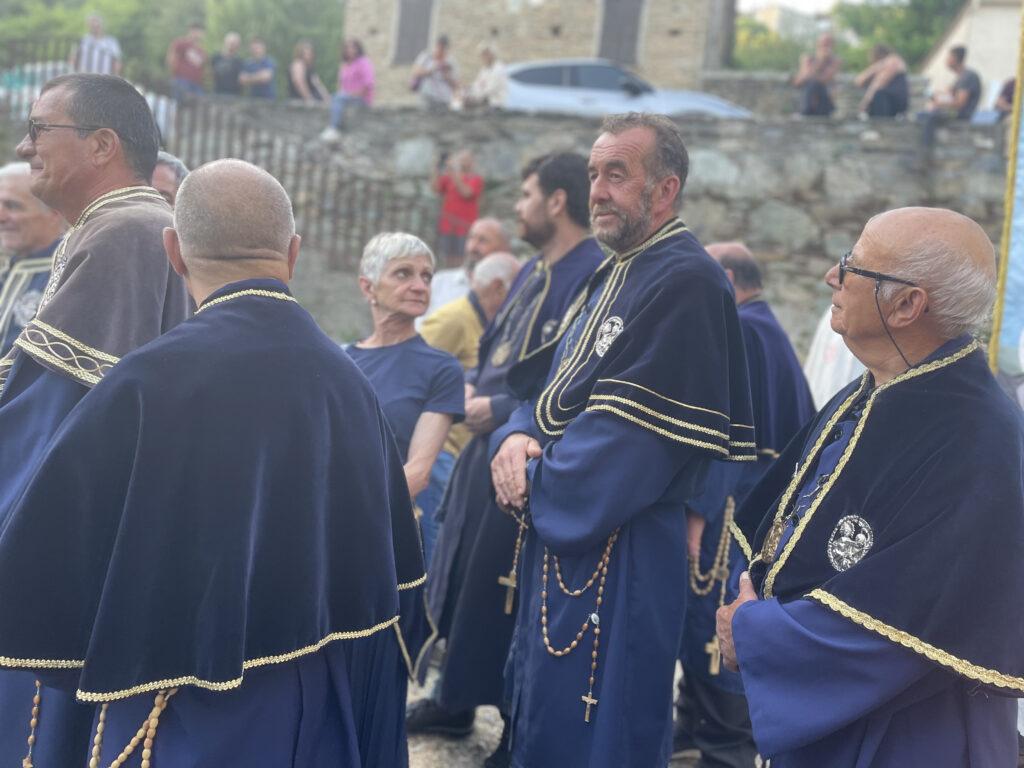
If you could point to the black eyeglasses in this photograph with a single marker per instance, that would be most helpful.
(35, 128)
(877, 276)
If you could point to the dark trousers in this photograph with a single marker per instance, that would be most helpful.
(718, 722)
(815, 100)
(887, 104)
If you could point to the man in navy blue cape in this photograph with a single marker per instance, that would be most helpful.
(219, 542)
(468, 590)
(713, 714)
(645, 387)
(111, 290)
(29, 233)
(880, 623)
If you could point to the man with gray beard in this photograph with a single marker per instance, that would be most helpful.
(646, 385)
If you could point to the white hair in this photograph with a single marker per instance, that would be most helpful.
(172, 162)
(496, 266)
(388, 246)
(15, 169)
(960, 293)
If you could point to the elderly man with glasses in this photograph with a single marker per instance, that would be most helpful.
(91, 146)
(880, 622)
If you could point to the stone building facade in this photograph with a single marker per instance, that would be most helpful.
(669, 42)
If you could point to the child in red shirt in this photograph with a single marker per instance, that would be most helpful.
(460, 189)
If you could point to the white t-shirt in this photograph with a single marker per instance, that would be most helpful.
(98, 54)
(830, 365)
(490, 84)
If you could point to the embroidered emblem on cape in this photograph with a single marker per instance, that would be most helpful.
(501, 354)
(25, 307)
(547, 331)
(606, 334)
(850, 541)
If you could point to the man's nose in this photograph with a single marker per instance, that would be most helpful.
(832, 278)
(25, 148)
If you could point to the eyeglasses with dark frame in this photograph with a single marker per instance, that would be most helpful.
(35, 128)
(879, 277)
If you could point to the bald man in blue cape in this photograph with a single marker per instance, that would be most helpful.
(881, 621)
(218, 549)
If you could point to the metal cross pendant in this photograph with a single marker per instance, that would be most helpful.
(509, 582)
(590, 701)
(714, 650)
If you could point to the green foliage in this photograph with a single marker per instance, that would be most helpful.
(145, 29)
(911, 28)
(759, 48)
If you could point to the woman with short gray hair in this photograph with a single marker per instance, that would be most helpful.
(420, 388)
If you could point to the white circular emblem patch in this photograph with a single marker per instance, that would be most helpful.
(850, 541)
(25, 307)
(606, 334)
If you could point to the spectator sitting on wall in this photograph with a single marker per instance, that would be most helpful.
(885, 80)
(815, 77)
(227, 66)
(96, 53)
(460, 188)
(355, 85)
(1004, 102)
(435, 75)
(491, 82)
(186, 58)
(258, 71)
(961, 100)
(303, 81)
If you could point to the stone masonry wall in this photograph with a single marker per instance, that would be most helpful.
(798, 192)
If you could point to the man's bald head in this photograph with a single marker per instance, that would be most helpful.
(485, 236)
(231, 210)
(942, 251)
(739, 263)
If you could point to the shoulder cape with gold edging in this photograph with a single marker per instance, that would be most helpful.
(111, 289)
(660, 348)
(228, 497)
(935, 467)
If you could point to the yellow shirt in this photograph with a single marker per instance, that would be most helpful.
(456, 327)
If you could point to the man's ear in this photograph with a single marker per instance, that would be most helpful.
(908, 308)
(556, 203)
(173, 248)
(106, 145)
(293, 254)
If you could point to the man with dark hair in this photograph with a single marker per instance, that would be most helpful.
(186, 61)
(471, 591)
(91, 146)
(713, 714)
(645, 385)
(961, 100)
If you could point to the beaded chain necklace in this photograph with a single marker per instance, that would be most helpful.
(600, 575)
(703, 584)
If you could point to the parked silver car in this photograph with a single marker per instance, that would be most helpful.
(596, 87)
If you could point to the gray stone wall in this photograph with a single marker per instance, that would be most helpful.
(798, 192)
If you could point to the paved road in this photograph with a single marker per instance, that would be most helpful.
(437, 752)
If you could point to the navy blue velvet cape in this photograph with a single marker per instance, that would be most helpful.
(936, 469)
(227, 497)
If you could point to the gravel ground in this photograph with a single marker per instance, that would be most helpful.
(470, 752)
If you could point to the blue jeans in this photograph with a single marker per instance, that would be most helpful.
(181, 88)
(339, 101)
(430, 499)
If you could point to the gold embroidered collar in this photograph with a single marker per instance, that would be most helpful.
(279, 295)
(673, 227)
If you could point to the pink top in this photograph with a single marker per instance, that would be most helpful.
(356, 78)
